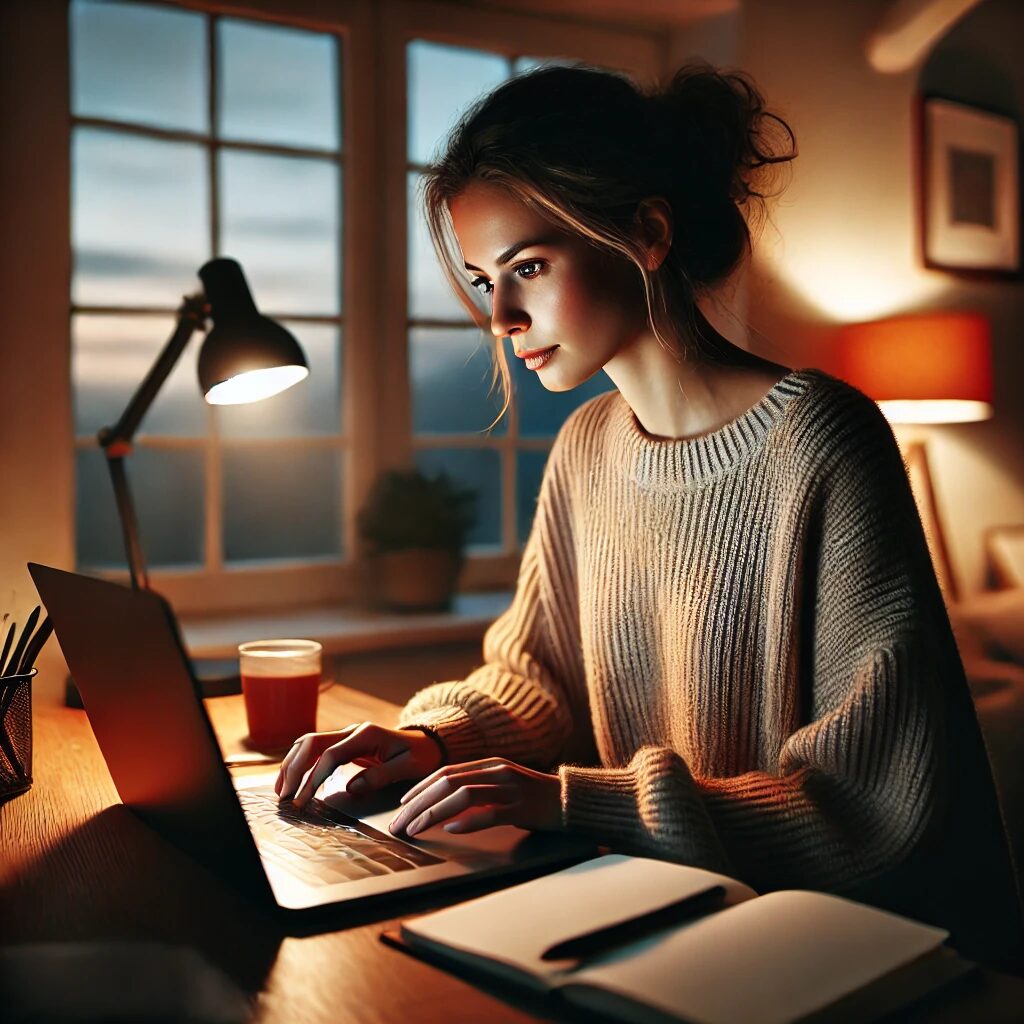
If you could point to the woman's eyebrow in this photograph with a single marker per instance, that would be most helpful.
(511, 251)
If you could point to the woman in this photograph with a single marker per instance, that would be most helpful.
(727, 645)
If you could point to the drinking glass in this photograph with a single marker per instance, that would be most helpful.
(280, 684)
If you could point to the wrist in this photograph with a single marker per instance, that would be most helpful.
(555, 813)
(431, 745)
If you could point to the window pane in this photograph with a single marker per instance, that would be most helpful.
(281, 503)
(442, 82)
(277, 85)
(542, 412)
(311, 407)
(479, 468)
(430, 294)
(280, 220)
(450, 374)
(110, 355)
(529, 473)
(138, 219)
(167, 488)
(142, 63)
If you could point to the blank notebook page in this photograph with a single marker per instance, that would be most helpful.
(767, 961)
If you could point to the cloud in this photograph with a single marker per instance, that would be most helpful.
(111, 263)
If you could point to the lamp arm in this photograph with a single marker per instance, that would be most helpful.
(116, 441)
(191, 316)
(129, 523)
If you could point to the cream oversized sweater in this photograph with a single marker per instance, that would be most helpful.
(734, 650)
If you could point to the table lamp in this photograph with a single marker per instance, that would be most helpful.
(920, 369)
(245, 357)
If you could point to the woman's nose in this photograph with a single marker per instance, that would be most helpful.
(507, 318)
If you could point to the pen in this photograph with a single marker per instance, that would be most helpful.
(610, 936)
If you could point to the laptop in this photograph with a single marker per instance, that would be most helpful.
(126, 656)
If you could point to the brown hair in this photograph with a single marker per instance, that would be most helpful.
(583, 146)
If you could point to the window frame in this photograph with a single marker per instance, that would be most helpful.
(376, 435)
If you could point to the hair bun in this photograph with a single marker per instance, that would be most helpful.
(719, 148)
(721, 134)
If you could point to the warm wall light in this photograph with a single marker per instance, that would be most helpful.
(245, 357)
(923, 368)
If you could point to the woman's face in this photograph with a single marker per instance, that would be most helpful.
(558, 292)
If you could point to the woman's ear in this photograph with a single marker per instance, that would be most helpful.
(653, 226)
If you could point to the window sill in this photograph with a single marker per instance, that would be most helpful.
(344, 629)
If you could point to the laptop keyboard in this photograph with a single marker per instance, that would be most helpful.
(321, 845)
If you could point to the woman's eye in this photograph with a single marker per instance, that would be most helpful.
(523, 266)
(488, 287)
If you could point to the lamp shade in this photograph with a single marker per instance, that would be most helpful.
(246, 356)
(922, 368)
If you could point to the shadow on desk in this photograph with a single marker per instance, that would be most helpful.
(114, 878)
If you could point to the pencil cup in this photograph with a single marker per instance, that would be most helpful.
(16, 733)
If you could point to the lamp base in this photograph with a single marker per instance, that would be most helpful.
(217, 677)
(915, 456)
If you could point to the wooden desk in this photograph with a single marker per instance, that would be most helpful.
(76, 865)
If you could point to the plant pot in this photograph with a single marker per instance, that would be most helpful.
(415, 580)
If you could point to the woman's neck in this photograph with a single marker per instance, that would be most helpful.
(715, 383)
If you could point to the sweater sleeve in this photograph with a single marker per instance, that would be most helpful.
(856, 784)
(528, 699)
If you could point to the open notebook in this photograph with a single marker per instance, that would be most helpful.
(774, 959)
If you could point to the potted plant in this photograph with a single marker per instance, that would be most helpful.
(414, 528)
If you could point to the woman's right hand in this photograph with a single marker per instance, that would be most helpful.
(387, 755)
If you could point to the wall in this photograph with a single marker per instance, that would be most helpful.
(844, 248)
(36, 469)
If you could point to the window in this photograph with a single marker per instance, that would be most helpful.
(288, 138)
(196, 135)
(449, 363)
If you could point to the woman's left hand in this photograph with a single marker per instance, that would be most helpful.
(491, 792)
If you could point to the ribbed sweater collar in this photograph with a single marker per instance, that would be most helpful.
(663, 462)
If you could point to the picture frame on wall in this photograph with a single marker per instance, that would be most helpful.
(969, 189)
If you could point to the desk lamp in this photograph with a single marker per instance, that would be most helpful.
(245, 357)
(923, 368)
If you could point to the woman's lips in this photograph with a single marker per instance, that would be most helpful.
(542, 357)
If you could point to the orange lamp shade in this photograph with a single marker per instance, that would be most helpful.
(922, 368)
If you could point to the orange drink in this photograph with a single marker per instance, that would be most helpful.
(280, 685)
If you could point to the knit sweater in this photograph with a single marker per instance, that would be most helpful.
(734, 652)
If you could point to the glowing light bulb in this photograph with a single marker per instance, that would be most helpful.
(255, 385)
(934, 410)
